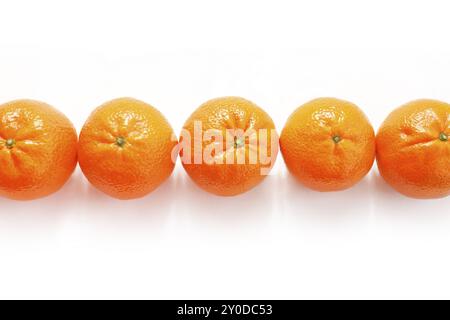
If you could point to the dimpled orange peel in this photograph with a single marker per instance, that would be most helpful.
(328, 144)
(230, 114)
(126, 148)
(413, 149)
(38, 149)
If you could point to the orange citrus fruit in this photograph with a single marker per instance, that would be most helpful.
(328, 144)
(232, 145)
(126, 147)
(38, 149)
(413, 149)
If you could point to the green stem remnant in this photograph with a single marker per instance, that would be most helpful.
(337, 139)
(120, 141)
(238, 142)
(10, 143)
(443, 136)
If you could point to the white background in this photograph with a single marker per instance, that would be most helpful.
(279, 240)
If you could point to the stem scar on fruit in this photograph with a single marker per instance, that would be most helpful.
(120, 141)
(337, 139)
(10, 143)
(238, 142)
(443, 137)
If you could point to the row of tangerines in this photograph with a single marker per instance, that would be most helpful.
(127, 148)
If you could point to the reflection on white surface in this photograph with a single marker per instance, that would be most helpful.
(83, 238)
(279, 240)
(279, 203)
